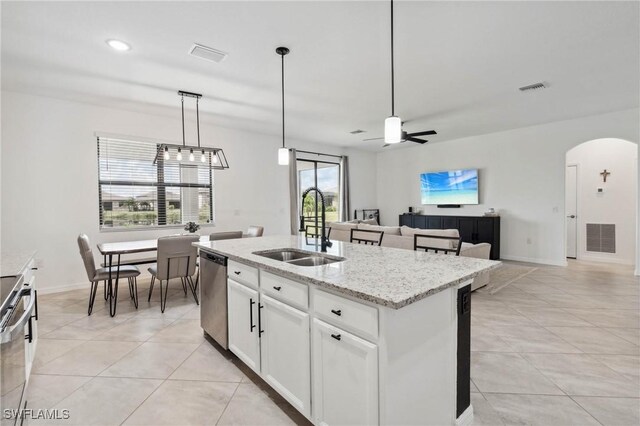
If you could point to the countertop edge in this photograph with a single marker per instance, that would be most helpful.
(25, 258)
(348, 292)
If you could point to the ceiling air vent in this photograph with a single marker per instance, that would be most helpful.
(355, 132)
(207, 53)
(536, 86)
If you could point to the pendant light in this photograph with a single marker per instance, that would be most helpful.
(211, 158)
(392, 124)
(283, 153)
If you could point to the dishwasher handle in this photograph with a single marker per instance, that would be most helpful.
(215, 258)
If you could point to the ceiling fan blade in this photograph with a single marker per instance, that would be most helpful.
(417, 140)
(427, 132)
(372, 139)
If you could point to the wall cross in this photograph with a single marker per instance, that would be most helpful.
(604, 175)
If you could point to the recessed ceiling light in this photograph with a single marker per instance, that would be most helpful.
(118, 45)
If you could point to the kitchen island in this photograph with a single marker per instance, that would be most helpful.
(359, 335)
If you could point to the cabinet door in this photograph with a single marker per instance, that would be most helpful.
(485, 230)
(434, 222)
(243, 324)
(345, 377)
(406, 220)
(420, 222)
(467, 228)
(284, 349)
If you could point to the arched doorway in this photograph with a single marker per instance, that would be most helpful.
(601, 201)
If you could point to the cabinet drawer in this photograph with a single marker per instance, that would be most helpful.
(353, 316)
(285, 290)
(243, 273)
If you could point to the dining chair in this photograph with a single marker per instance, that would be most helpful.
(366, 236)
(255, 231)
(437, 243)
(176, 259)
(229, 235)
(129, 272)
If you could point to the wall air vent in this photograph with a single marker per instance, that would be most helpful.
(601, 237)
(536, 86)
(355, 132)
(207, 53)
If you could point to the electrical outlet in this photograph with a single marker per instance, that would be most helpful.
(236, 212)
(528, 240)
(555, 209)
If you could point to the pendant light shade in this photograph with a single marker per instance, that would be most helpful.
(392, 130)
(210, 157)
(283, 156)
(283, 153)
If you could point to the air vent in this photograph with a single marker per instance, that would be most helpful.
(536, 86)
(601, 237)
(355, 132)
(207, 53)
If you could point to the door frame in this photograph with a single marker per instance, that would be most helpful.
(578, 210)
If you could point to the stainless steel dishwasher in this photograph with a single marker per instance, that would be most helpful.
(213, 293)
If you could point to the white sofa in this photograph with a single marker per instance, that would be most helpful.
(402, 237)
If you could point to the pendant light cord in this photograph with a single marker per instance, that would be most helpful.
(182, 102)
(392, 71)
(198, 120)
(282, 57)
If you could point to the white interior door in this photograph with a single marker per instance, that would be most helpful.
(571, 209)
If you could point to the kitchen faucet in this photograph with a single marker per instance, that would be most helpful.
(324, 240)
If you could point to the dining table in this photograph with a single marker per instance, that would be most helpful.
(124, 248)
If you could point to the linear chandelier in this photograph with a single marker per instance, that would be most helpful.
(210, 157)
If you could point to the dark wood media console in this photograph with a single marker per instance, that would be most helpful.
(473, 229)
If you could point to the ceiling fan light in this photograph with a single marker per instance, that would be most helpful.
(392, 130)
(283, 156)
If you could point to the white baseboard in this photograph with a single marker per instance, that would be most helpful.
(552, 262)
(601, 259)
(466, 418)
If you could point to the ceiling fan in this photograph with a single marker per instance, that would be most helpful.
(393, 132)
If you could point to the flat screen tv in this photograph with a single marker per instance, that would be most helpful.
(450, 187)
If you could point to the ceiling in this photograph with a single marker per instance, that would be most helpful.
(458, 64)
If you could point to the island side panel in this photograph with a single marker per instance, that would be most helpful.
(418, 361)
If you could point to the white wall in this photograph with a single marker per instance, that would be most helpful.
(50, 189)
(618, 201)
(521, 175)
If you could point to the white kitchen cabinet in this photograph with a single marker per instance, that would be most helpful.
(244, 338)
(285, 348)
(345, 375)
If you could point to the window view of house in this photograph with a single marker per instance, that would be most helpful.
(136, 192)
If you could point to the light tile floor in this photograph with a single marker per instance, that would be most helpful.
(560, 346)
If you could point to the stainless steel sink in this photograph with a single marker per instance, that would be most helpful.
(283, 255)
(299, 257)
(313, 261)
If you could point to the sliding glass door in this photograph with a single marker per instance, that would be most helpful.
(325, 176)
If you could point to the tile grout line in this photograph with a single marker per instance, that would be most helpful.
(228, 402)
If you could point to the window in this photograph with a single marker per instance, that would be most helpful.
(135, 192)
(325, 176)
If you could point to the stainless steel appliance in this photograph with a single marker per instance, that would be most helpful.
(213, 297)
(15, 333)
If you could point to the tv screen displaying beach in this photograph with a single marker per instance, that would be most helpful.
(450, 187)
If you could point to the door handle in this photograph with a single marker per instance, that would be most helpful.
(572, 216)
(260, 330)
(251, 303)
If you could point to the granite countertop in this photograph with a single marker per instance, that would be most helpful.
(12, 263)
(382, 275)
